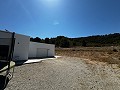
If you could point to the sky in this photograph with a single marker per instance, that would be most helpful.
(51, 18)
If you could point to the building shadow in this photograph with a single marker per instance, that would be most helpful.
(3, 82)
(19, 63)
(22, 62)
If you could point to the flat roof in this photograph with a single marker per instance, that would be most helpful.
(12, 32)
(5, 31)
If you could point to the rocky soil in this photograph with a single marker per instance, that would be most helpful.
(66, 73)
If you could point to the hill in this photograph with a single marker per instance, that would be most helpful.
(94, 41)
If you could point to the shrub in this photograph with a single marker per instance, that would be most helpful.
(115, 50)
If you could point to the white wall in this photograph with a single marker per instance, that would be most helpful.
(33, 49)
(24, 48)
(5, 38)
(21, 48)
(5, 34)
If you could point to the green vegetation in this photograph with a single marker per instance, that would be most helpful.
(94, 41)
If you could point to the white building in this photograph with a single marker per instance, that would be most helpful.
(24, 49)
(41, 50)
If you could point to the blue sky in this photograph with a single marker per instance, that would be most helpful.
(51, 18)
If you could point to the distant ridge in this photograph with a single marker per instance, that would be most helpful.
(96, 41)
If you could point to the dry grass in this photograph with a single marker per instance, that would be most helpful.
(110, 55)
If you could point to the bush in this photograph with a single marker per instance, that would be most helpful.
(115, 50)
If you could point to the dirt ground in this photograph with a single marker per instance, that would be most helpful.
(66, 73)
(111, 55)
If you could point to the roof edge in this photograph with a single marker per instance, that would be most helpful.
(5, 31)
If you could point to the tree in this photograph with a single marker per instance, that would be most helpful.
(52, 40)
(65, 43)
(37, 39)
(31, 39)
(58, 41)
(84, 43)
(47, 40)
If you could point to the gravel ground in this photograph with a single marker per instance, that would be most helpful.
(66, 73)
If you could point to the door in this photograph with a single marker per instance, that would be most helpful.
(42, 52)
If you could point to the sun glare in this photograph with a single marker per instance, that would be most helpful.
(51, 2)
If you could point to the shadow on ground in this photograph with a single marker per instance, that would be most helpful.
(19, 63)
(22, 62)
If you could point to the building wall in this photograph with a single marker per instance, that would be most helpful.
(5, 38)
(24, 48)
(5, 34)
(41, 50)
(21, 48)
(5, 44)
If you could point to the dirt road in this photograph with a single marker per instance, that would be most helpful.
(66, 73)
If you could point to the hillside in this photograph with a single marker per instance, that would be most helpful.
(96, 41)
